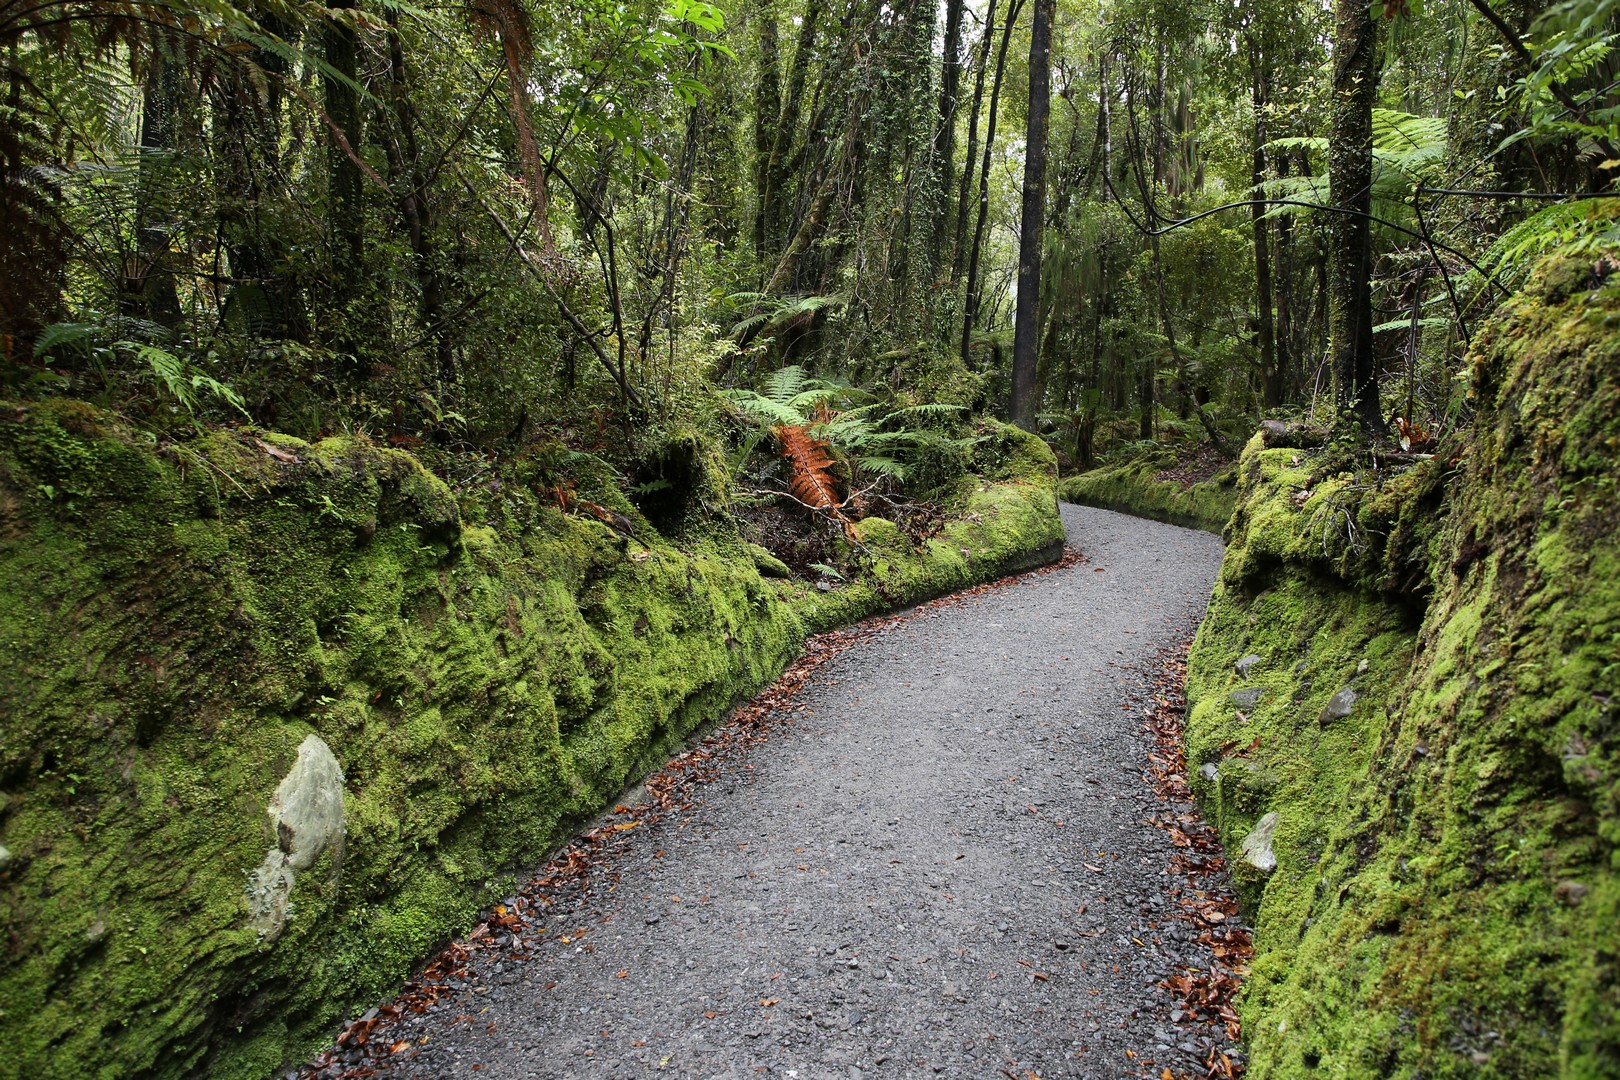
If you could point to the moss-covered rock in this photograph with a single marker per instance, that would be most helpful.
(1439, 739)
(202, 644)
(1134, 487)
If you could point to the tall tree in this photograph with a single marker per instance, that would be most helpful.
(1350, 178)
(1032, 225)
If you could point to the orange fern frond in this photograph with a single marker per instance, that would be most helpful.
(810, 478)
(809, 461)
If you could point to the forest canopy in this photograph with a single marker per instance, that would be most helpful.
(472, 225)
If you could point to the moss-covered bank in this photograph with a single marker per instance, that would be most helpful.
(1405, 723)
(1135, 487)
(278, 717)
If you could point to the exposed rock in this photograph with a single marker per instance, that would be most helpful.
(1245, 664)
(306, 815)
(1248, 697)
(1338, 707)
(1210, 772)
(1571, 892)
(5, 857)
(1257, 845)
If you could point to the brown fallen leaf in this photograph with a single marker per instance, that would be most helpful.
(400, 1047)
(284, 456)
(766, 1003)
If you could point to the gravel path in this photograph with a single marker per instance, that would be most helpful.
(942, 867)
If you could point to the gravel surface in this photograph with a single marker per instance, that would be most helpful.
(940, 867)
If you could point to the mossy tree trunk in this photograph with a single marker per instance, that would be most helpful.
(1032, 227)
(1350, 176)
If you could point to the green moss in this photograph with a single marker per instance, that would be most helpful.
(1132, 488)
(175, 621)
(1448, 855)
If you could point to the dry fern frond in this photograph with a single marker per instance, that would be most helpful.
(810, 478)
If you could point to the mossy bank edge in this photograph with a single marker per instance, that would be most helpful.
(1404, 721)
(1132, 487)
(279, 717)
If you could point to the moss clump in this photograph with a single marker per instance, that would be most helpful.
(176, 621)
(1446, 899)
(1133, 487)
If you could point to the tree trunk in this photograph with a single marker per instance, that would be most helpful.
(767, 114)
(970, 310)
(1270, 375)
(406, 162)
(945, 134)
(1355, 91)
(345, 214)
(1032, 226)
(959, 245)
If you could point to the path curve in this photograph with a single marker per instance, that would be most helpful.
(941, 868)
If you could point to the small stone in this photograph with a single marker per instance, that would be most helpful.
(1257, 845)
(824, 586)
(1338, 707)
(1245, 664)
(1209, 772)
(1248, 697)
(1571, 892)
(5, 857)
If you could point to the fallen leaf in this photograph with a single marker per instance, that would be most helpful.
(400, 1047)
(623, 825)
(766, 1003)
(1093, 869)
(622, 973)
(276, 452)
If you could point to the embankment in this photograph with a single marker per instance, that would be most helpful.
(1404, 720)
(280, 717)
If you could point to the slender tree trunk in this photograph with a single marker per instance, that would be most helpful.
(1270, 375)
(343, 107)
(779, 166)
(1355, 91)
(970, 310)
(959, 244)
(767, 115)
(945, 133)
(1286, 343)
(1032, 227)
(148, 287)
(406, 163)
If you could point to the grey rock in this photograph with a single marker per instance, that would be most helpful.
(5, 857)
(1571, 892)
(1248, 697)
(1256, 846)
(306, 817)
(1210, 772)
(1338, 707)
(1245, 664)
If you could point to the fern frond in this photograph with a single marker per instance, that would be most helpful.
(784, 383)
(810, 477)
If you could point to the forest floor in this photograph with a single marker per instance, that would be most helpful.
(953, 842)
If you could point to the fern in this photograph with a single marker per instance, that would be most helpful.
(1587, 228)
